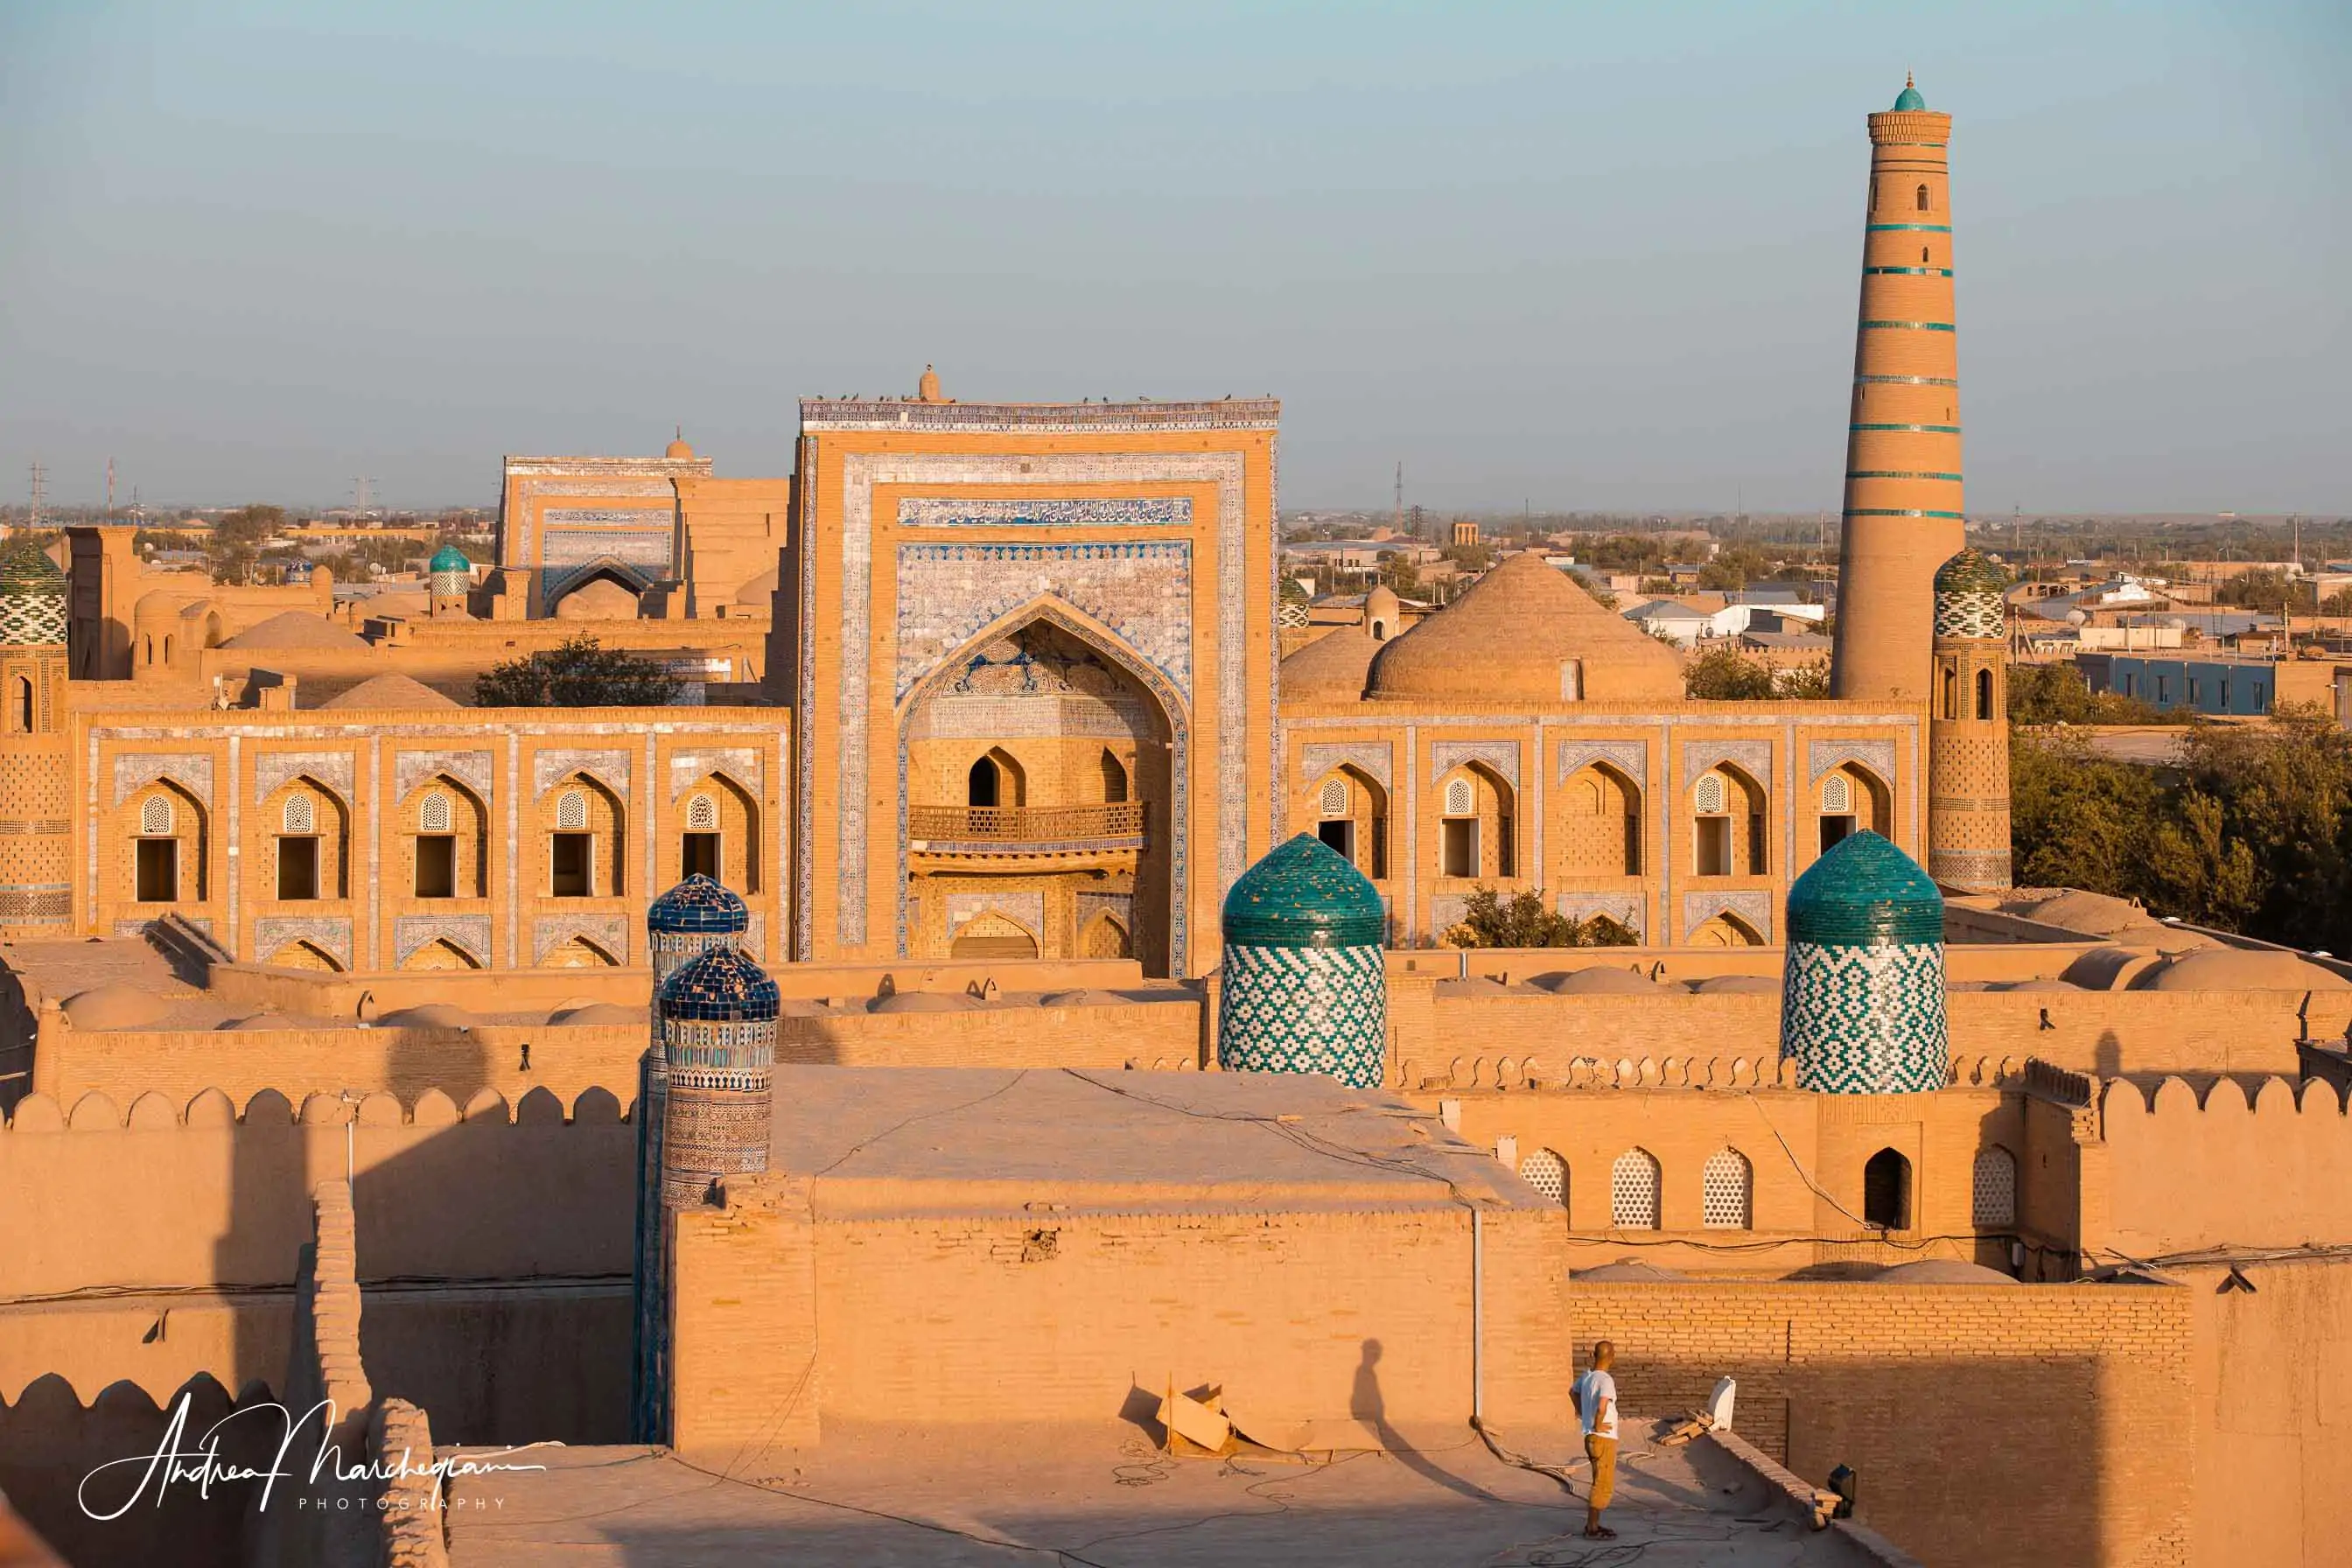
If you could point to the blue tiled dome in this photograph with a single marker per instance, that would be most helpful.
(1865, 892)
(450, 558)
(1970, 572)
(1909, 97)
(698, 906)
(1303, 894)
(32, 594)
(720, 986)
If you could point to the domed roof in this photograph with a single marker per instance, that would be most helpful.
(759, 593)
(1600, 980)
(679, 447)
(390, 691)
(1736, 984)
(602, 600)
(1941, 1271)
(450, 558)
(720, 985)
(1303, 894)
(698, 906)
(1865, 892)
(1970, 572)
(2238, 969)
(1627, 1271)
(1909, 97)
(1331, 668)
(1383, 601)
(577, 1014)
(1507, 638)
(26, 568)
(429, 1016)
(2093, 915)
(294, 629)
(113, 1008)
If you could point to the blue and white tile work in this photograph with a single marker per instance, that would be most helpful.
(1142, 590)
(1152, 511)
(32, 595)
(1304, 986)
(1862, 998)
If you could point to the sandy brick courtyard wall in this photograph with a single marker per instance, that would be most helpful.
(1300, 1316)
(1992, 1425)
(2258, 1163)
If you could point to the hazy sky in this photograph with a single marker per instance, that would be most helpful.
(1585, 256)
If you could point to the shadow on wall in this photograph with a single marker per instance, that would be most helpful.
(49, 1443)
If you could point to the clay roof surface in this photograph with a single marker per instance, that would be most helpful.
(1331, 668)
(1505, 639)
(398, 692)
(890, 1140)
(294, 629)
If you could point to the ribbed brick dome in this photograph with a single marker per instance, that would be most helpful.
(1524, 633)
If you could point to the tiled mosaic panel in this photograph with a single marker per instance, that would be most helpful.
(1970, 615)
(1304, 1009)
(1144, 592)
(1155, 511)
(1865, 1020)
(31, 618)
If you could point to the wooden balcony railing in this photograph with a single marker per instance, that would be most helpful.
(1025, 824)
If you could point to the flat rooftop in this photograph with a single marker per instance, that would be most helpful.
(1106, 1498)
(900, 1141)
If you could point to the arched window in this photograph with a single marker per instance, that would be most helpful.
(981, 785)
(167, 647)
(147, 650)
(1837, 793)
(1707, 798)
(1984, 693)
(1461, 800)
(571, 811)
(1380, 631)
(1922, 198)
(1727, 1191)
(434, 813)
(1886, 1191)
(1922, 256)
(1547, 1173)
(1993, 1200)
(1951, 694)
(20, 705)
(702, 814)
(1334, 801)
(301, 816)
(1114, 778)
(155, 817)
(1874, 196)
(1633, 1191)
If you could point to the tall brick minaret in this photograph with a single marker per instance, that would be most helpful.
(1903, 513)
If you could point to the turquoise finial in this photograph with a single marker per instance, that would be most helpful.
(1909, 97)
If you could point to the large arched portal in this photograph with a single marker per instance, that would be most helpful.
(1040, 768)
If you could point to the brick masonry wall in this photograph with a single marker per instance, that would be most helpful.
(1990, 1425)
(2257, 1163)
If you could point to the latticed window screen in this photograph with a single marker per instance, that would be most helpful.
(1335, 797)
(1633, 1191)
(1995, 1192)
(155, 817)
(1726, 1184)
(434, 816)
(1837, 796)
(299, 816)
(1708, 796)
(702, 814)
(571, 811)
(1460, 799)
(1547, 1173)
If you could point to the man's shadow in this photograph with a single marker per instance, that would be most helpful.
(1366, 1405)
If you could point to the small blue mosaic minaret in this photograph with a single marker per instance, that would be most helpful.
(448, 577)
(684, 923)
(1304, 986)
(1861, 997)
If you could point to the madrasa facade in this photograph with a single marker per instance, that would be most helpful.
(979, 680)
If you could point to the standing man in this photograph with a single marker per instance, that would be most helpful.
(1595, 1397)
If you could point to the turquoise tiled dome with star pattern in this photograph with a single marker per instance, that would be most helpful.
(1969, 591)
(1862, 995)
(32, 594)
(1304, 988)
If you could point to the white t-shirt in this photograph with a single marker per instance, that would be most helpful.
(1591, 1388)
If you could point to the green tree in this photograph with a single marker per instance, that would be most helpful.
(1808, 682)
(577, 673)
(1723, 675)
(1734, 569)
(2339, 603)
(249, 524)
(1400, 574)
(2058, 694)
(2263, 591)
(1526, 920)
(2078, 819)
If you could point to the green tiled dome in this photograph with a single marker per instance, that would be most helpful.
(1303, 894)
(1970, 572)
(1909, 97)
(450, 558)
(1865, 892)
(32, 594)
(26, 568)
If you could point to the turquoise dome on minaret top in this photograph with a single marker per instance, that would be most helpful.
(448, 558)
(1862, 997)
(1303, 986)
(1909, 97)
